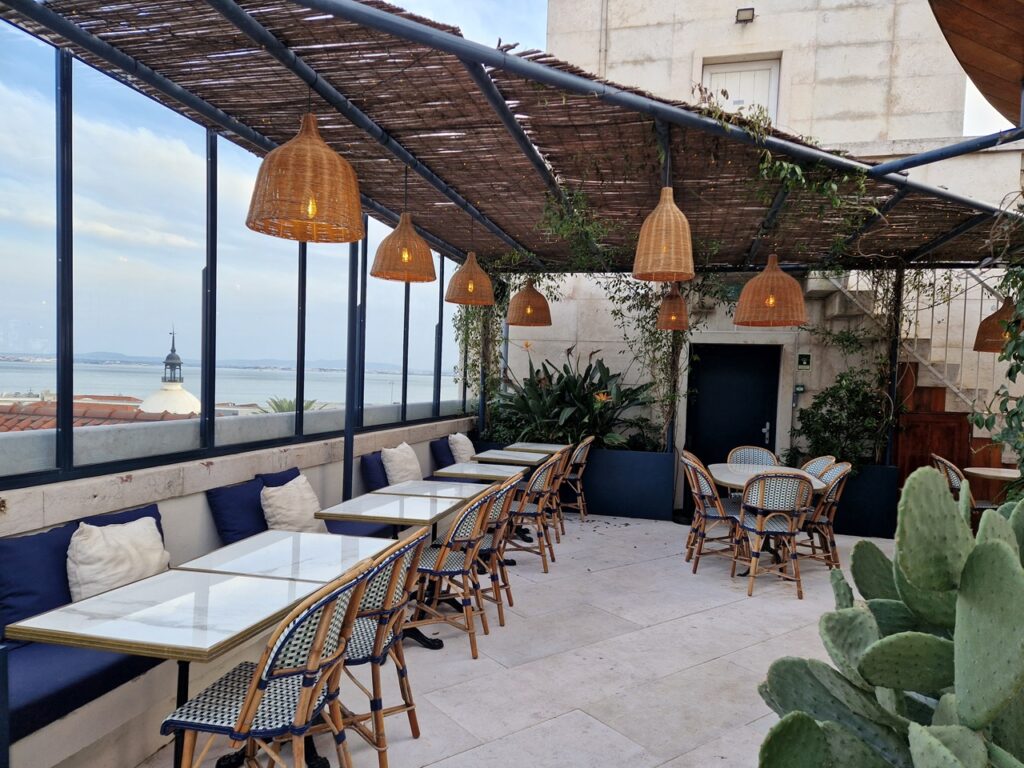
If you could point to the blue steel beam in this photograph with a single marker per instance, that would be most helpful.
(870, 222)
(948, 237)
(768, 223)
(965, 147)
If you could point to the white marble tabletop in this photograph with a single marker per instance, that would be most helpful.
(736, 475)
(536, 447)
(474, 471)
(1002, 474)
(317, 557)
(183, 615)
(444, 489)
(519, 458)
(392, 510)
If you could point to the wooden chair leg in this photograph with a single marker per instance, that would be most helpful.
(398, 657)
(189, 749)
(479, 598)
(539, 533)
(467, 612)
(796, 574)
(380, 739)
(699, 550)
(548, 539)
(505, 583)
(299, 751)
(755, 555)
(492, 568)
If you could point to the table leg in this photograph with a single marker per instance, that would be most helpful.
(180, 699)
(5, 712)
(417, 636)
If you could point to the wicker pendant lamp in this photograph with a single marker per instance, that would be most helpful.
(529, 307)
(672, 313)
(664, 251)
(771, 299)
(306, 191)
(470, 285)
(404, 255)
(992, 332)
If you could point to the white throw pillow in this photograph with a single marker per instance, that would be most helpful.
(462, 447)
(292, 507)
(401, 464)
(102, 557)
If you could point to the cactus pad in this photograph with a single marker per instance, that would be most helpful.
(1000, 758)
(849, 750)
(909, 661)
(946, 746)
(872, 572)
(892, 616)
(846, 634)
(945, 711)
(995, 527)
(841, 589)
(936, 608)
(795, 741)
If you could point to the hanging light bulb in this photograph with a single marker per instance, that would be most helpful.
(664, 250)
(306, 191)
(672, 315)
(993, 331)
(470, 285)
(771, 299)
(529, 307)
(404, 255)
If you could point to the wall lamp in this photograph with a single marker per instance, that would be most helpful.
(744, 15)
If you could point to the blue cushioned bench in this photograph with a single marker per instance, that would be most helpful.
(47, 682)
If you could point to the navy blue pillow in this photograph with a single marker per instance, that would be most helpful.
(372, 467)
(441, 450)
(34, 576)
(237, 511)
(277, 479)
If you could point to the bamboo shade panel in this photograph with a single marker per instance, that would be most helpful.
(470, 285)
(992, 331)
(529, 307)
(771, 299)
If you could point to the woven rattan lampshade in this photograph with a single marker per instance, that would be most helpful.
(992, 332)
(771, 299)
(664, 252)
(306, 191)
(529, 307)
(672, 313)
(404, 255)
(470, 285)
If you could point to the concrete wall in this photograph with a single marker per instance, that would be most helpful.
(122, 728)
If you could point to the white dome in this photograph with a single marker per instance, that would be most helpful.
(171, 398)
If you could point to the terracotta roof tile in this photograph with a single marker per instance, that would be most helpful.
(20, 417)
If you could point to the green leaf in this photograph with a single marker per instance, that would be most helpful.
(872, 571)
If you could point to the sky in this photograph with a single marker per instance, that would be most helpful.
(139, 222)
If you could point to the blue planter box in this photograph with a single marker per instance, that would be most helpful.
(868, 504)
(630, 483)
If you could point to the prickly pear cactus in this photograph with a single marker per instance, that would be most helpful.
(929, 668)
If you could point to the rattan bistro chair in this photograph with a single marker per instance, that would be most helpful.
(561, 471)
(534, 508)
(290, 692)
(378, 625)
(772, 514)
(818, 464)
(820, 526)
(714, 521)
(491, 555)
(753, 454)
(448, 572)
(955, 479)
(574, 478)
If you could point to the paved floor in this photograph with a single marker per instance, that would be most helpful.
(618, 656)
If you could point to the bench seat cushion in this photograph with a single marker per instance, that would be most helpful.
(349, 528)
(49, 681)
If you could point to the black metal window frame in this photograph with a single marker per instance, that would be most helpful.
(64, 466)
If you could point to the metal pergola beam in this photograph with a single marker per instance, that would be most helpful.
(467, 50)
(291, 61)
(870, 222)
(975, 144)
(948, 237)
(768, 223)
(57, 24)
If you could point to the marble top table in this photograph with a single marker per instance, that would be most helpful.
(536, 447)
(183, 615)
(392, 510)
(519, 458)
(316, 557)
(474, 471)
(1000, 474)
(735, 476)
(441, 489)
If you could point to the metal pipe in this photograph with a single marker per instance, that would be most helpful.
(405, 355)
(65, 265)
(300, 347)
(975, 144)
(208, 371)
(390, 217)
(295, 63)
(361, 363)
(467, 50)
(896, 324)
(948, 237)
(768, 223)
(876, 217)
(435, 409)
(5, 711)
(664, 131)
(351, 371)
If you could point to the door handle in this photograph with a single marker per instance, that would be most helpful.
(766, 431)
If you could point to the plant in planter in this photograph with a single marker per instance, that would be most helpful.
(929, 669)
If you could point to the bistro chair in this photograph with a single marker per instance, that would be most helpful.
(447, 572)
(772, 513)
(379, 623)
(710, 514)
(955, 479)
(491, 555)
(557, 481)
(818, 465)
(290, 692)
(753, 454)
(533, 508)
(574, 477)
(820, 526)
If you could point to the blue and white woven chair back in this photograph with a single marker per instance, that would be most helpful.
(502, 500)
(752, 454)
(542, 477)
(294, 651)
(378, 597)
(404, 565)
(818, 465)
(777, 492)
(466, 526)
(954, 477)
(833, 478)
(579, 454)
(701, 486)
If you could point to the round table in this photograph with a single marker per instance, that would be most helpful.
(999, 474)
(735, 476)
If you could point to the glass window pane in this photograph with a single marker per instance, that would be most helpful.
(257, 305)
(28, 322)
(139, 182)
(385, 305)
(451, 355)
(422, 325)
(326, 337)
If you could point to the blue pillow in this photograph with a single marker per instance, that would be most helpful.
(441, 450)
(372, 467)
(34, 576)
(277, 479)
(237, 511)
